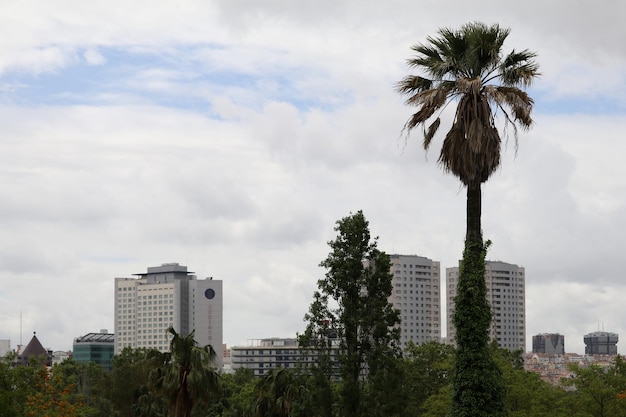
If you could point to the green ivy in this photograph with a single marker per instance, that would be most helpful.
(478, 387)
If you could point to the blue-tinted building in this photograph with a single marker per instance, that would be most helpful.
(95, 347)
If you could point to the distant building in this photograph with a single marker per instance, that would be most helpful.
(549, 343)
(164, 296)
(506, 294)
(34, 351)
(95, 347)
(601, 343)
(263, 355)
(59, 356)
(226, 359)
(5, 347)
(556, 368)
(416, 294)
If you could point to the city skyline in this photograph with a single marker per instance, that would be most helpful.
(436, 291)
(230, 135)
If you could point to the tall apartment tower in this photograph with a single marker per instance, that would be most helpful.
(167, 295)
(506, 290)
(416, 293)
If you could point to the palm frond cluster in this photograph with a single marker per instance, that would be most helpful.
(467, 66)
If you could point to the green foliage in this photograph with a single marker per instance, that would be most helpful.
(129, 382)
(16, 385)
(185, 375)
(91, 385)
(438, 404)
(363, 324)
(238, 394)
(478, 388)
(427, 372)
(527, 394)
(54, 397)
(599, 391)
(280, 393)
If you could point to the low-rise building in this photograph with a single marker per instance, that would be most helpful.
(95, 347)
(262, 355)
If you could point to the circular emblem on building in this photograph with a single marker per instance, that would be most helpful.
(210, 293)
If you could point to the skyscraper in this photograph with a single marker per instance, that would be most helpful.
(506, 294)
(167, 295)
(416, 294)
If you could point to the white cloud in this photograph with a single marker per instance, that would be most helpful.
(94, 57)
(297, 125)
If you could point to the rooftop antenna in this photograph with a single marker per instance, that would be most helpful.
(20, 328)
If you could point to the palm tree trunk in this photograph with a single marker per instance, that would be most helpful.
(474, 232)
(478, 389)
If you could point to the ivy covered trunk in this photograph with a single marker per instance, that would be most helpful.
(478, 388)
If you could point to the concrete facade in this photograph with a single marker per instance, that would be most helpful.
(262, 355)
(417, 295)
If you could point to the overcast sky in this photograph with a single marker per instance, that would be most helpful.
(229, 136)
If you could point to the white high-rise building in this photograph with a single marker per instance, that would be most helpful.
(167, 295)
(506, 291)
(416, 293)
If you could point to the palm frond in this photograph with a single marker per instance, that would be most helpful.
(485, 43)
(520, 103)
(428, 102)
(413, 83)
(460, 64)
(430, 132)
(519, 68)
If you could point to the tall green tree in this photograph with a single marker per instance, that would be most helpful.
(360, 319)
(185, 375)
(467, 67)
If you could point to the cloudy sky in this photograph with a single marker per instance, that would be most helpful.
(229, 136)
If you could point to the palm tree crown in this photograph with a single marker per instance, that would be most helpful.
(185, 374)
(467, 65)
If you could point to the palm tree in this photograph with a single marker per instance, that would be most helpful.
(185, 374)
(278, 394)
(467, 67)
